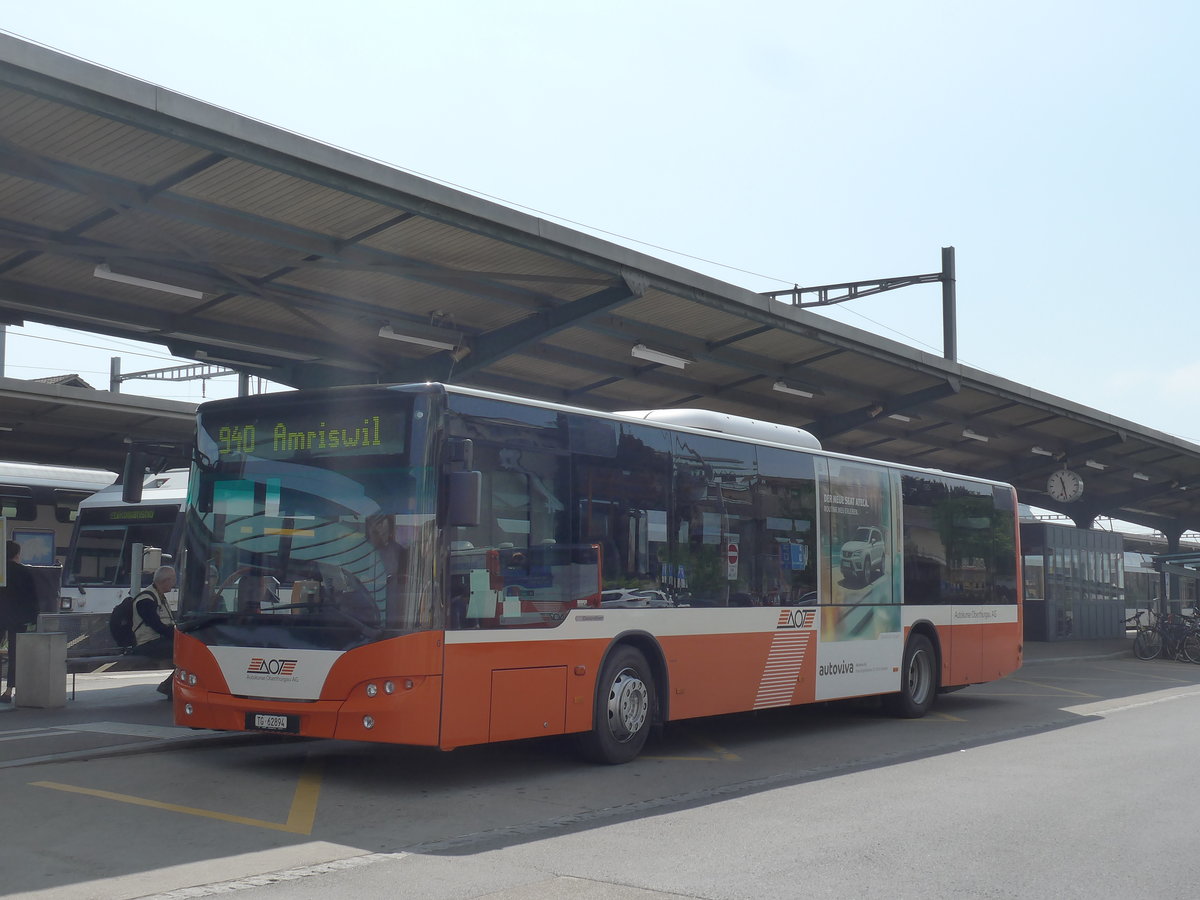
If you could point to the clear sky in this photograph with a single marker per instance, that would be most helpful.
(1053, 144)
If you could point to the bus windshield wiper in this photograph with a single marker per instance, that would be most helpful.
(203, 620)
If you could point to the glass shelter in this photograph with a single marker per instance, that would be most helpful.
(1074, 582)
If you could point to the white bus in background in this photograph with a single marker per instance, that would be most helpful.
(97, 572)
(39, 505)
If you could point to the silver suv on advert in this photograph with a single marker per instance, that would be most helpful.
(862, 556)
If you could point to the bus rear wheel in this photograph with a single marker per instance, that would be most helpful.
(624, 710)
(918, 680)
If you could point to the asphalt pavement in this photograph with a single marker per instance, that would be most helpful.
(121, 712)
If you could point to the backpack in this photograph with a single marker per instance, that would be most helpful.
(120, 622)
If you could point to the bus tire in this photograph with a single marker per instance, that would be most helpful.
(918, 680)
(624, 710)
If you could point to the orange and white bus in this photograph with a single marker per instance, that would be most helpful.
(440, 566)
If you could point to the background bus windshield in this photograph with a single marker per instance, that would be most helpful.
(100, 555)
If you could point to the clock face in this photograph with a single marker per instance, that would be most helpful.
(1065, 486)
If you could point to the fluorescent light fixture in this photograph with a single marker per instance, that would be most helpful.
(1039, 451)
(205, 356)
(975, 435)
(784, 388)
(1141, 476)
(6, 428)
(900, 418)
(242, 345)
(103, 271)
(425, 336)
(641, 351)
(1092, 464)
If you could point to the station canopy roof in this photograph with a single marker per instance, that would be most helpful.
(131, 211)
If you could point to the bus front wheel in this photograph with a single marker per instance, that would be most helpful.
(624, 709)
(918, 680)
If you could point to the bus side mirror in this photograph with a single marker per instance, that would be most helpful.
(465, 499)
(461, 451)
(133, 476)
(152, 558)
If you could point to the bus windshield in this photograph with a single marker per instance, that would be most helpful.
(313, 541)
(104, 534)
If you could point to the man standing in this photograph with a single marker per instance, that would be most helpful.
(18, 609)
(153, 623)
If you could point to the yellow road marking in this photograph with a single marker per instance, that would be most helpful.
(303, 812)
(720, 751)
(946, 716)
(721, 754)
(1153, 676)
(1061, 690)
(300, 818)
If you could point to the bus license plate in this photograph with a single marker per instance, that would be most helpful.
(272, 722)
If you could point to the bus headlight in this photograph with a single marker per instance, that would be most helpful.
(389, 687)
(368, 722)
(372, 690)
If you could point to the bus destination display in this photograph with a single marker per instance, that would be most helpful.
(306, 435)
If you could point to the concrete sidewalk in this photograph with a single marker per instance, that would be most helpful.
(113, 712)
(120, 712)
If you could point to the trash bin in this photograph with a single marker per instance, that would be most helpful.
(41, 669)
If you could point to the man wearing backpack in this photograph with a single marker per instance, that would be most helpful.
(153, 623)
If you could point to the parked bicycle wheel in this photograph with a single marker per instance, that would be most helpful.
(1148, 642)
(1191, 646)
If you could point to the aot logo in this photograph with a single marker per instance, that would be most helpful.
(796, 618)
(259, 666)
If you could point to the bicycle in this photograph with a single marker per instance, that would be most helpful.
(1169, 636)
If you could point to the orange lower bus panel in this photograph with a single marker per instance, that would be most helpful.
(409, 715)
(509, 690)
(975, 654)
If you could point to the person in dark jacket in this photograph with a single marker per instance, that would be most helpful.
(18, 609)
(153, 623)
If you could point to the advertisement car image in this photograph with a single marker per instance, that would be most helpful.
(862, 557)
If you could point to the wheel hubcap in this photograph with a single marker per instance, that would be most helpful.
(628, 705)
(919, 677)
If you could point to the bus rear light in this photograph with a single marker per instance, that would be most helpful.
(368, 722)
